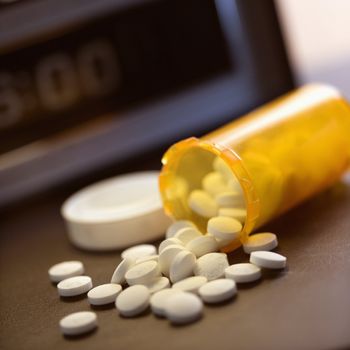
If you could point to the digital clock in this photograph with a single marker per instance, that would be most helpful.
(86, 84)
(108, 62)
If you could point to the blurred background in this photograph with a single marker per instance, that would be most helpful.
(90, 89)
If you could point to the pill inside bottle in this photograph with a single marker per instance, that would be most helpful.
(261, 164)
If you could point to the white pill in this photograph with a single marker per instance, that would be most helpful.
(133, 300)
(224, 227)
(78, 323)
(202, 204)
(178, 225)
(214, 183)
(236, 213)
(147, 258)
(183, 308)
(104, 294)
(218, 291)
(212, 266)
(222, 167)
(269, 260)
(142, 273)
(230, 199)
(186, 234)
(120, 271)
(178, 189)
(65, 270)
(260, 241)
(191, 284)
(202, 245)
(167, 256)
(159, 299)
(74, 286)
(167, 242)
(243, 273)
(158, 284)
(182, 266)
(138, 251)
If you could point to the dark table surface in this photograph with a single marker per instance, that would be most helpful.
(307, 306)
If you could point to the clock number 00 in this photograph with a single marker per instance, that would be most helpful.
(62, 80)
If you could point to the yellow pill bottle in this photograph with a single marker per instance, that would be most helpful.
(281, 154)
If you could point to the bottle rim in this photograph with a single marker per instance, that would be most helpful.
(170, 161)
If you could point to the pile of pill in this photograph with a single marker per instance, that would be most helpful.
(186, 270)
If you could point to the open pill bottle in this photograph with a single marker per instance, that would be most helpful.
(279, 155)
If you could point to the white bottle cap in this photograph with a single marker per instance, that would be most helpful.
(116, 213)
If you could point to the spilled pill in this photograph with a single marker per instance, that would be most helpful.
(260, 241)
(212, 266)
(243, 273)
(159, 299)
(74, 286)
(218, 291)
(104, 294)
(224, 228)
(78, 323)
(142, 273)
(202, 245)
(183, 308)
(139, 251)
(120, 271)
(269, 260)
(133, 300)
(65, 270)
(182, 266)
(190, 284)
(178, 225)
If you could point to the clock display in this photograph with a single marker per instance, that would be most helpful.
(107, 63)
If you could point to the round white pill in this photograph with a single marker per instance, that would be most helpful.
(186, 234)
(158, 284)
(167, 256)
(167, 242)
(222, 167)
(212, 266)
(133, 300)
(147, 258)
(224, 228)
(138, 251)
(179, 188)
(260, 241)
(73, 286)
(214, 183)
(178, 225)
(142, 273)
(65, 270)
(202, 245)
(236, 213)
(230, 199)
(269, 260)
(183, 308)
(120, 271)
(191, 284)
(182, 266)
(104, 294)
(78, 323)
(159, 299)
(202, 204)
(243, 273)
(218, 291)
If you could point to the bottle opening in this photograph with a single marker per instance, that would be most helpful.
(200, 180)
